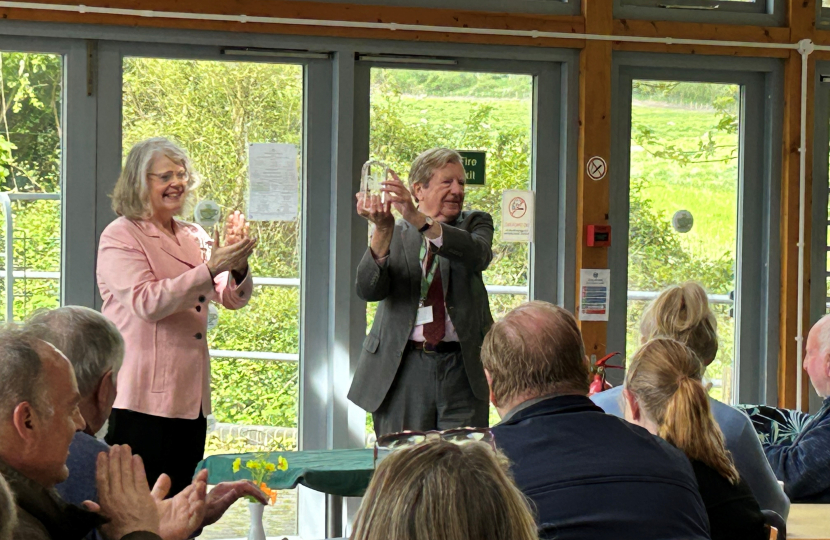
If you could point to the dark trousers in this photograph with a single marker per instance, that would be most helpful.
(430, 391)
(166, 445)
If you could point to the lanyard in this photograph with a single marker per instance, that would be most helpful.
(429, 275)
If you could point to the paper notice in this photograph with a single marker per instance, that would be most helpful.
(517, 215)
(593, 294)
(273, 193)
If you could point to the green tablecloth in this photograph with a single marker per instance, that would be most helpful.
(336, 472)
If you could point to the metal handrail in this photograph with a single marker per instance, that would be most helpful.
(6, 199)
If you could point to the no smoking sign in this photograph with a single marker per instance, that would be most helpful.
(597, 168)
(517, 207)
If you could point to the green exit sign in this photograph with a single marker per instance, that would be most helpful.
(474, 162)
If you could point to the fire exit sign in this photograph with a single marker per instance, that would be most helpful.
(474, 162)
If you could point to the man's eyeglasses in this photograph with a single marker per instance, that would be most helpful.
(405, 439)
(182, 176)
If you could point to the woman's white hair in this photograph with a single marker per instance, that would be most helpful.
(131, 196)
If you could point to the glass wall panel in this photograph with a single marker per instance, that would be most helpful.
(31, 143)
(215, 110)
(684, 189)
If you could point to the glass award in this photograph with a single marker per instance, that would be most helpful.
(371, 177)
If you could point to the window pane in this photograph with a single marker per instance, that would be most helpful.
(31, 96)
(414, 110)
(214, 110)
(684, 156)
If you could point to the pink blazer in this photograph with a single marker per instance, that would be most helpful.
(157, 293)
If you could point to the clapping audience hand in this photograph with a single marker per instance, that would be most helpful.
(225, 494)
(124, 495)
(182, 515)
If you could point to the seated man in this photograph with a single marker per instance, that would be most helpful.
(590, 474)
(95, 348)
(39, 415)
(802, 462)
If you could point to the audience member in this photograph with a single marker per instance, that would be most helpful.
(590, 474)
(803, 462)
(420, 368)
(438, 490)
(39, 415)
(682, 312)
(8, 516)
(663, 394)
(95, 348)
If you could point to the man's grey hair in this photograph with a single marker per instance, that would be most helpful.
(90, 341)
(8, 513)
(428, 162)
(21, 371)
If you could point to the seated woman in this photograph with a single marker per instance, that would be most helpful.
(438, 490)
(663, 394)
(682, 312)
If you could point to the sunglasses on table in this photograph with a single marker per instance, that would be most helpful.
(405, 439)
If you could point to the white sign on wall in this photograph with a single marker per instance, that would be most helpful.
(517, 215)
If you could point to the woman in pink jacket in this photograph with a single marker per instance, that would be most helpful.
(157, 277)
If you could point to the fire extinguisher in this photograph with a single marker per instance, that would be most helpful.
(598, 382)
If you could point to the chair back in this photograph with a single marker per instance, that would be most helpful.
(776, 525)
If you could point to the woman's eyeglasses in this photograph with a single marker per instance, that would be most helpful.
(405, 439)
(182, 176)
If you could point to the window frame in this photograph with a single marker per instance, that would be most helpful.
(78, 170)
(755, 13)
(756, 299)
(539, 7)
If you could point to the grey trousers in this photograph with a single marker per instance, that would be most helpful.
(430, 391)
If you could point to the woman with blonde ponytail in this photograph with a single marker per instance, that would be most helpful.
(682, 312)
(663, 394)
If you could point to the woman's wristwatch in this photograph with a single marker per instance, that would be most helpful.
(427, 225)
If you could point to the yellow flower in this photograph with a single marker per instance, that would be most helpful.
(282, 464)
(236, 463)
(270, 467)
(253, 465)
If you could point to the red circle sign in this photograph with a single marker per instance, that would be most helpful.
(517, 207)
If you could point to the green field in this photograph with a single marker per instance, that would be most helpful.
(707, 190)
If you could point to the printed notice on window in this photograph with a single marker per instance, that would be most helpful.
(273, 192)
(593, 294)
(517, 215)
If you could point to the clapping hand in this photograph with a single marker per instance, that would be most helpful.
(236, 228)
(184, 514)
(124, 495)
(225, 494)
(234, 255)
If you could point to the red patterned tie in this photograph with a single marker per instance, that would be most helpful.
(434, 331)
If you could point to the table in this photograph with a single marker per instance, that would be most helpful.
(338, 473)
(809, 522)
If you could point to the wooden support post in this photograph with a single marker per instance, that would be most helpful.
(802, 26)
(594, 140)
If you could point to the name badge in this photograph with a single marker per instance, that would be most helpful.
(424, 316)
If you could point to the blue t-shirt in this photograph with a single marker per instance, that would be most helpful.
(82, 463)
(741, 440)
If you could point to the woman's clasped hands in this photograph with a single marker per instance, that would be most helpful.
(233, 256)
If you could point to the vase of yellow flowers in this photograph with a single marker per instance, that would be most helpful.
(261, 468)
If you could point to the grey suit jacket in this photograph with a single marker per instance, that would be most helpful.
(465, 254)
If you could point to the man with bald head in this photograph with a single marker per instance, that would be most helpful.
(39, 415)
(589, 474)
(803, 463)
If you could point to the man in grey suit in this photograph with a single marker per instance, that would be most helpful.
(420, 367)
